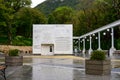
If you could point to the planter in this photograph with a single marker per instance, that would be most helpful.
(98, 67)
(14, 60)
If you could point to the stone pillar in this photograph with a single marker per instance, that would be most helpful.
(90, 49)
(99, 42)
(83, 47)
(79, 44)
(112, 49)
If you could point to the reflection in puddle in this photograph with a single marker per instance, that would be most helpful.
(58, 69)
(51, 73)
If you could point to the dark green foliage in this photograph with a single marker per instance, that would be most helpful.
(17, 18)
(3, 40)
(13, 52)
(9, 8)
(117, 43)
(61, 15)
(98, 55)
(22, 41)
(24, 20)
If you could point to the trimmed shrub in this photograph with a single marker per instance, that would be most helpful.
(98, 55)
(13, 52)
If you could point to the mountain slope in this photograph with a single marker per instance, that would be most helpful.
(49, 5)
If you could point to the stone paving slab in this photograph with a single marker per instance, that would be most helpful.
(43, 72)
(55, 68)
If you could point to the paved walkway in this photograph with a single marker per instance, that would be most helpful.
(55, 68)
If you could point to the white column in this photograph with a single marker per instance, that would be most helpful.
(79, 44)
(83, 45)
(90, 49)
(112, 49)
(99, 42)
(112, 37)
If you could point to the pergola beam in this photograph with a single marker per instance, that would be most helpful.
(76, 37)
(111, 25)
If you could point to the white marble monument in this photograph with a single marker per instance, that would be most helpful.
(50, 39)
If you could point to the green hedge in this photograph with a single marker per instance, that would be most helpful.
(13, 52)
(98, 55)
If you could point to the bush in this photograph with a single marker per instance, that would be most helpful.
(13, 52)
(22, 41)
(98, 55)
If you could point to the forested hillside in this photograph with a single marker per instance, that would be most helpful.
(49, 5)
(17, 18)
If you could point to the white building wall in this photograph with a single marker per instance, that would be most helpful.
(59, 35)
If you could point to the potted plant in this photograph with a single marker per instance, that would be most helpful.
(13, 58)
(98, 64)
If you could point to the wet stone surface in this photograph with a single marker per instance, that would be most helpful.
(55, 69)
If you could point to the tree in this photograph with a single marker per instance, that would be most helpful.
(12, 6)
(24, 20)
(2, 16)
(51, 19)
(2, 11)
(61, 15)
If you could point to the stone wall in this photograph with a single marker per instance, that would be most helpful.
(22, 49)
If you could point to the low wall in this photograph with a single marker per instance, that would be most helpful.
(22, 49)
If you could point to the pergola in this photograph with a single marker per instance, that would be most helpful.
(98, 31)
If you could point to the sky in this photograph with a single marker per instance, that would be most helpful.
(36, 2)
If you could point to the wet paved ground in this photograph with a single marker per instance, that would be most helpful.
(57, 68)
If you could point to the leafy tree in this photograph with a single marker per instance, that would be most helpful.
(61, 15)
(22, 41)
(11, 7)
(2, 11)
(2, 16)
(51, 19)
(24, 20)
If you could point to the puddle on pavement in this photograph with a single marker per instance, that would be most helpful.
(55, 69)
